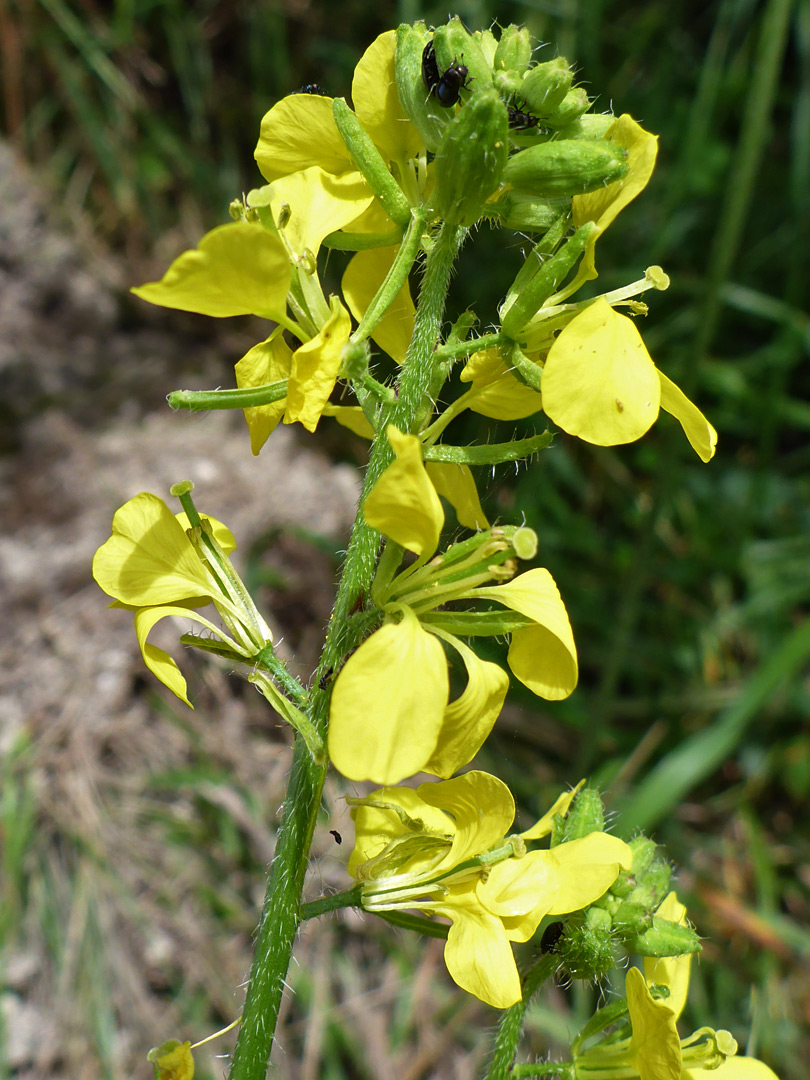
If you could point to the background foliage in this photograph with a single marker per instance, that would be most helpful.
(687, 584)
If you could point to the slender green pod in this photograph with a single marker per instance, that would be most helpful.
(371, 163)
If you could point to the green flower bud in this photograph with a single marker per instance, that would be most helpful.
(589, 126)
(453, 45)
(420, 106)
(545, 85)
(487, 43)
(526, 213)
(471, 159)
(664, 938)
(514, 50)
(573, 105)
(586, 947)
(569, 167)
(586, 815)
(630, 919)
(371, 163)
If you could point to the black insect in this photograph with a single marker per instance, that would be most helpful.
(312, 88)
(337, 836)
(447, 85)
(519, 120)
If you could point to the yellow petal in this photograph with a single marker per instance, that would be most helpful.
(655, 1042)
(376, 101)
(364, 275)
(267, 362)
(314, 368)
(481, 807)
(351, 417)
(149, 559)
(388, 704)
(499, 395)
(319, 203)
(565, 878)
(389, 814)
(546, 823)
(604, 204)
(300, 131)
(478, 954)
(159, 662)
(543, 656)
(599, 382)
(222, 534)
(700, 433)
(470, 718)
(236, 269)
(403, 504)
(671, 971)
(456, 484)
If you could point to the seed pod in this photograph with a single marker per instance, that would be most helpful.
(419, 105)
(545, 85)
(371, 164)
(566, 167)
(514, 50)
(471, 159)
(454, 46)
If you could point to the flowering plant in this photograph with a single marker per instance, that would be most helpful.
(448, 129)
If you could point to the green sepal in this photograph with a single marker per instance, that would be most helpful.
(475, 623)
(664, 938)
(471, 159)
(297, 719)
(514, 49)
(371, 163)
(454, 45)
(550, 275)
(420, 106)
(566, 167)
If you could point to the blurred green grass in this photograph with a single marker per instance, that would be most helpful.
(687, 584)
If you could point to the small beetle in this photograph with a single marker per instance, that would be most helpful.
(445, 86)
(519, 120)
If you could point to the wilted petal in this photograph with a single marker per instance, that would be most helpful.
(363, 277)
(267, 362)
(599, 382)
(700, 433)
(543, 656)
(388, 704)
(300, 131)
(403, 504)
(236, 269)
(149, 559)
(376, 101)
(456, 484)
(314, 368)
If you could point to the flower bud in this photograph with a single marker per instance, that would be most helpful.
(514, 49)
(568, 167)
(664, 938)
(589, 126)
(573, 105)
(586, 947)
(453, 45)
(419, 104)
(526, 213)
(586, 815)
(471, 159)
(545, 85)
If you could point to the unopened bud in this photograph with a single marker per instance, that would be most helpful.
(545, 85)
(514, 50)
(589, 126)
(419, 104)
(471, 159)
(527, 213)
(586, 815)
(663, 938)
(567, 167)
(586, 948)
(573, 105)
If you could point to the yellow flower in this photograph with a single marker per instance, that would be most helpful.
(600, 384)
(389, 714)
(444, 850)
(151, 566)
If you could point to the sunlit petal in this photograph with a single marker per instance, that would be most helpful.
(403, 504)
(314, 368)
(300, 131)
(363, 277)
(375, 97)
(456, 484)
(700, 433)
(267, 362)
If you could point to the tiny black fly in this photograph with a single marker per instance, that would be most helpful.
(445, 86)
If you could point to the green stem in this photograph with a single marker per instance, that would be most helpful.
(511, 1025)
(281, 913)
(331, 903)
